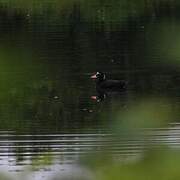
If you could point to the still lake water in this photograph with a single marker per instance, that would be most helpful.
(46, 106)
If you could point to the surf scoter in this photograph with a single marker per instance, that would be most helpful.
(108, 84)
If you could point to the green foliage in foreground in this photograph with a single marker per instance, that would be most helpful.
(155, 165)
(157, 161)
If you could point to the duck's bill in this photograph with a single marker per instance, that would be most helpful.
(94, 77)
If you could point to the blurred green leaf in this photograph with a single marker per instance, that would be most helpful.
(159, 163)
(147, 113)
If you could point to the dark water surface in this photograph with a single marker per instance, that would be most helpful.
(45, 93)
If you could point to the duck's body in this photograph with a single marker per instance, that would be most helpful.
(102, 84)
(112, 85)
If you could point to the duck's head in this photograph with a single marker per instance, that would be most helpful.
(99, 76)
